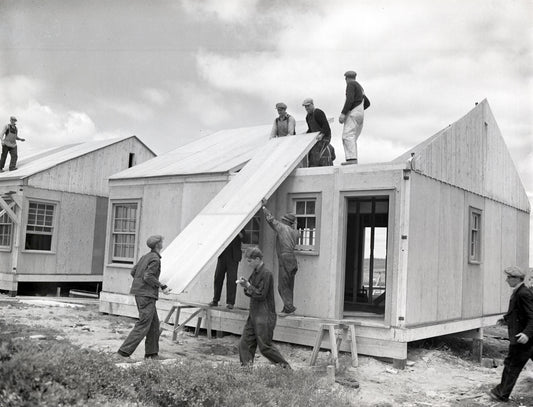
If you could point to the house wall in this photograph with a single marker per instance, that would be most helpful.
(442, 285)
(89, 173)
(77, 216)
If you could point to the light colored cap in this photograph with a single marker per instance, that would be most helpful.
(514, 271)
(13, 118)
(307, 102)
(281, 105)
(350, 74)
(152, 241)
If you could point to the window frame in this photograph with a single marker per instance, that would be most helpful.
(475, 256)
(313, 249)
(54, 226)
(260, 231)
(116, 260)
(9, 224)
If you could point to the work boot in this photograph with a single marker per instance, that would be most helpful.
(350, 161)
(229, 306)
(213, 304)
(495, 396)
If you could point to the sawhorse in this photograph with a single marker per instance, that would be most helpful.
(203, 311)
(335, 339)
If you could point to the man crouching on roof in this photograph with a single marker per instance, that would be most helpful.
(259, 328)
(146, 287)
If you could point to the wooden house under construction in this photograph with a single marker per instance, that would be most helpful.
(408, 249)
(53, 212)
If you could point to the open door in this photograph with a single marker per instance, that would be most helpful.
(366, 254)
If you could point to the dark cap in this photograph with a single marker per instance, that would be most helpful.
(350, 74)
(289, 218)
(153, 241)
(13, 118)
(281, 105)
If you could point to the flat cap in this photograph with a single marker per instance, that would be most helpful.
(281, 105)
(350, 74)
(13, 118)
(307, 101)
(152, 241)
(289, 218)
(514, 271)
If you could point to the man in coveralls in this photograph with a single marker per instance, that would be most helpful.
(146, 287)
(519, 319)
(259, 327)
(286, 239)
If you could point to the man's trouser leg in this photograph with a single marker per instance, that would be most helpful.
(264, 332)
(220, 274)
(353, 125)
(286, 287)
(247, 344)
(147, 312)
(151, 345)
(231, 287)
(3, 157)
(513, 365)
(14, 156)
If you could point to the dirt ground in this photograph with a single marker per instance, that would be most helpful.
(439, 371)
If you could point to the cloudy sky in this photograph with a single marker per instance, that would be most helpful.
(170, 71)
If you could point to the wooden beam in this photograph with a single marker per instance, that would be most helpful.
(7, 209)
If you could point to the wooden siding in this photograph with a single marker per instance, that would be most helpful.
(89, 173)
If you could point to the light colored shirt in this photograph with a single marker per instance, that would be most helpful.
(283, 126)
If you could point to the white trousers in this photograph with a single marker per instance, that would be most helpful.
(353, 124)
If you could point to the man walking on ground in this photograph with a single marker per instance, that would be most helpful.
(286, 239)
(227, 264)
(322, 154)
(146, 287)
(352, 116)
(519, 319)
(284, 124)
(9, 144)
(259, 327)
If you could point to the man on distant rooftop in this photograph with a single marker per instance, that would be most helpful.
(352, 116)
(322, 154)
(284, 124)
(9, 139)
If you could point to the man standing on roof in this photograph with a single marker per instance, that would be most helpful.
(285, 124)
(146, 287)
(227, 264)
(9, 139)
(352, 116)
(322, 154)
(519, 320)
(286, 239)
(259, 327)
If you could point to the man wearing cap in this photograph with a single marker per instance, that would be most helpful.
(352, 116)
(146, 287)
(286, 239)
(519, 319)
(284, 124)
(322, 154)
(9, 144)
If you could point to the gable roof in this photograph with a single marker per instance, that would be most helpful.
(471, 154)
(44, 160)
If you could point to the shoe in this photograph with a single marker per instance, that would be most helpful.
(13, 169)
(1, 170)
(213, 304)
(229, 306)
(153, 356)
(122, 354)
(496, 397)
(350, 161)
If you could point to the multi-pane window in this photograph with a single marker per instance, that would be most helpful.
(40, 226)
(6, 229)
(252, 231)
(124, 232)
(306, 224)
(474, 240)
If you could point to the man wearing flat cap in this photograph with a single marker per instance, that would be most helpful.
(284, 124)
(322, 154)
(145, 287)
(519, 319)
(352, 116)
(9, 139)
(286, 239)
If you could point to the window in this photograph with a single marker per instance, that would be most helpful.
(40, 226)
(6, 229)
(474, 239)
(306, 223)
(252, 231)
(124, 232)
(131, 160)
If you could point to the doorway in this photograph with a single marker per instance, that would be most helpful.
(366, 254)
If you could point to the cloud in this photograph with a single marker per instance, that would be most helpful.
(154, 96)
(235, 11)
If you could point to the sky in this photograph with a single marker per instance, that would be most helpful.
(172, 71)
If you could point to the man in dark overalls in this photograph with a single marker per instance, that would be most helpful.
(227, 264)
(146, 287)
(259, 327)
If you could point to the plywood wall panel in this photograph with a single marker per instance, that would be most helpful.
(492, 258)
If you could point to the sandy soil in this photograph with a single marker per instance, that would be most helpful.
(440, 372)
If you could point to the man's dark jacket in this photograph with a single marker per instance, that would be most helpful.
(146, 276)
(519, 318)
